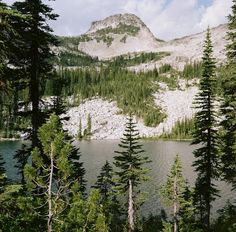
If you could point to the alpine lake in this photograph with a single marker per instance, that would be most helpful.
(94, 154)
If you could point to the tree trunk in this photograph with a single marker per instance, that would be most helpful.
(175, 204)
(131, 208)
(50, 213)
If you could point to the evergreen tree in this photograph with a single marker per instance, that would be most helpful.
(205, 134)
(228, 108)
(33, 59)
(131, 173)
(89, 125)
(85, 215)
(106, 186)
(80, 136)
(173, 190)
(231, 47)
(105, 182)
(56, 176)
(3, 179)
(35, 51)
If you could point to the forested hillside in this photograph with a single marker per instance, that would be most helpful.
(47, 82)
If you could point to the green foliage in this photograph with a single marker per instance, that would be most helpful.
(3, 178)
(172, 191)
(231, 47)
(89, 125)
(80, 135)
(165, 68)
(101, 35)
(138, 58)
(8, 40)
(54, 165)
(192, 70)
(15, 204)
(118, 85)
(228, 108)
(68, 59)
(167, 227)
(130, 163)
(205, 134)
(122, 28)
(182, 130)
(85, 215)
(177, 194)
(33, 58)
(111, 206)
(153, 223)
(226, 221)
(130, 159)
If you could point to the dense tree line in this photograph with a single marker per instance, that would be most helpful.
(116, 84)
(183, 129)
(136, 59)
(192, 70)
(52, 194)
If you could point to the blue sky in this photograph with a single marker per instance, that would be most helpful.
(167, 19)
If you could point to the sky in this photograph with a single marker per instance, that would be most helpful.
(167, 19)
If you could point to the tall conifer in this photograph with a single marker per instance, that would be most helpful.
(130, 161)
(106, 185)
(33, 67)
(173, 190)
(35, 53)
(205, 135)
(57, 176)
(228, 108)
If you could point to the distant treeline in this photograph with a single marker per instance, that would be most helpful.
(132, 92)
(182, 130)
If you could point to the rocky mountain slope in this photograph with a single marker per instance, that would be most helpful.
(117, 35)
(125, 34)
(108, 123)
(189, 49)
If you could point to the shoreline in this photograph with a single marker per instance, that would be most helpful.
(11, 139)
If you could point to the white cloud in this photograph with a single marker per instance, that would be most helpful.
(167, 19)
(216, 13)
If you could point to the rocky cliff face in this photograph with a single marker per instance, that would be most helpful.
(117, 35)
(126, 33)
(189, 49)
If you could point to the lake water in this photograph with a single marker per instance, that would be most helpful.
(162, 153)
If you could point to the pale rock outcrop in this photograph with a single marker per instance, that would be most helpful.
(108, 123)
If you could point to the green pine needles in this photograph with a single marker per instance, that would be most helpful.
(130, 162)
(54, 173)
(205, 135)
(228, 107)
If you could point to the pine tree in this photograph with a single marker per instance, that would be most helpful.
(173, 190)
(33, 66)
(56, 176)
(8, 41)
(231, 47)
(228, 108)
(106, 185)
(3, 178)
(205, 134)
(130, 161)
(34, 50)
(89, 125)
(85, 215)
(105, 182)
(80, 136)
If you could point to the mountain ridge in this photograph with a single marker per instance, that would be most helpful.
(125, 34)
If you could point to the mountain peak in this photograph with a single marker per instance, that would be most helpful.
(114, 21)
(116, 35)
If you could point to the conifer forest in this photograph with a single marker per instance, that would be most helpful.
(44, 75)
